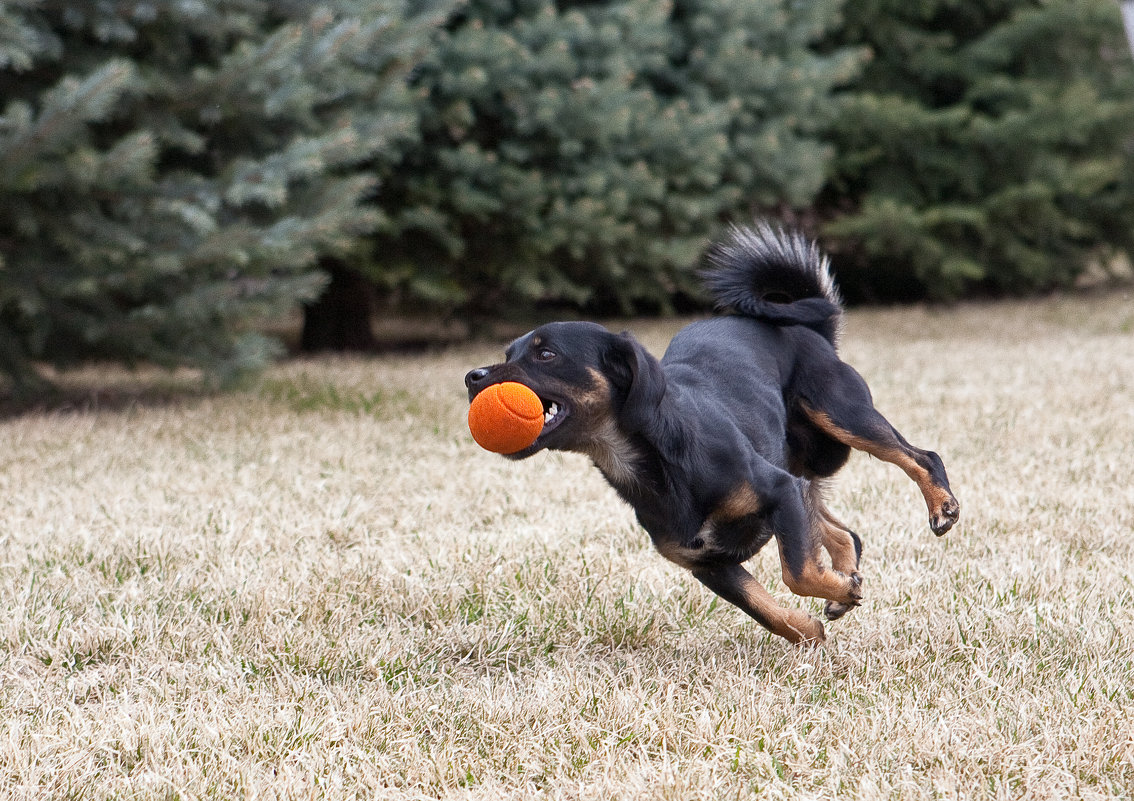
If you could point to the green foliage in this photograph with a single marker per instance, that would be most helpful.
(756, 60)
(584, 152)
(170, 171)
(985, 146)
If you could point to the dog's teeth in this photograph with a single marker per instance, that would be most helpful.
(552, 410)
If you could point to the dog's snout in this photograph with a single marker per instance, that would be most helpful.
(474, 377)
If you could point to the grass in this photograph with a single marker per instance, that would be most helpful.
(319, 587)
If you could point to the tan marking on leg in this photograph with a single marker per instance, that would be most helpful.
(794, 625)
(839, 543)
(840, 547)
(737, 504)
(741, 502)
(935, 497)
(817, 581)
(835, 536)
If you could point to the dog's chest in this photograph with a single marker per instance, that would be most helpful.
(615, 457)
(663, 508)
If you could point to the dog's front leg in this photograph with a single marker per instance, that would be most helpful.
(737, 586)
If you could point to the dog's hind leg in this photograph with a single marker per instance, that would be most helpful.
(802, 536)
(737, 586)
(838, 403)
(842, 545)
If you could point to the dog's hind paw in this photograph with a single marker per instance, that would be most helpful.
(833, 610)
(945, 516)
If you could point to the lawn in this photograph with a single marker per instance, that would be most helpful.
(319, 587)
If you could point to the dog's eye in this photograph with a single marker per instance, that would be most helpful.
(545, 355)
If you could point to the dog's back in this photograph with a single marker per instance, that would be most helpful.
(780, 304)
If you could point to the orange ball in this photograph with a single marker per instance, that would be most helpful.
(505, 418)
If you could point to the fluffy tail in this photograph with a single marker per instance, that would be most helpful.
(775, 276)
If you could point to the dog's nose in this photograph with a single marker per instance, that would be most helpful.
(474, 377)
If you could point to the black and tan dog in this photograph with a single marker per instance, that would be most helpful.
(723, 444)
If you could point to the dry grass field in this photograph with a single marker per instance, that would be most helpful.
(319, 587)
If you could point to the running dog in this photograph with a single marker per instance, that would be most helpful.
(723, 444)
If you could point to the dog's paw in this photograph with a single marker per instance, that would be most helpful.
(800, 628)
(811, 634)
(833, 610)
(945, 517)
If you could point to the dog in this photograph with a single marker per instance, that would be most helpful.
(724, 443)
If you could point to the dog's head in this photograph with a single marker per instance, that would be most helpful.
(593, 384)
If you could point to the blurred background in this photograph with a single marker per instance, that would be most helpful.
(209, 183)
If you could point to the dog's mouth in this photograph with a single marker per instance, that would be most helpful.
(554, 413)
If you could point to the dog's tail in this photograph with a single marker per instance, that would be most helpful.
(775, 276)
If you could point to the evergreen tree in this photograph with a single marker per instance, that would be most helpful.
(758, 60)
(169, 170)
(582, 152)
(985, 146)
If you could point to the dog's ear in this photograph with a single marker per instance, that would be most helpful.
(638, 381)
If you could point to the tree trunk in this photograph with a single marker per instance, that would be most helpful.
(340, 319)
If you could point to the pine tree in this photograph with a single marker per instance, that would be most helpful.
(758, 58)
(170, 171)
(986, 146)
(583, 153)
